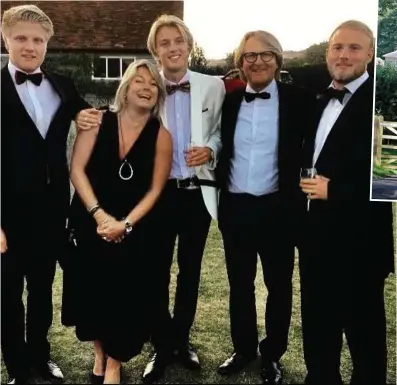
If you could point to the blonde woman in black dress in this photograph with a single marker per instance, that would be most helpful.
(119, 172)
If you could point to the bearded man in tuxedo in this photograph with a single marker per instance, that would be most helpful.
(346, 243)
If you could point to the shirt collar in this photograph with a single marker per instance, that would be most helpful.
(185, 78)
(271, 88)
(355, 84)
(13, 69)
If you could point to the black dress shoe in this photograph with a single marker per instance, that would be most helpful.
(95, 379)
(187, 357)
(155, 368)
(271, 372)
(18, 380)
(235, 364)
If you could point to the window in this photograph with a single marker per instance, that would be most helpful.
(108, 67)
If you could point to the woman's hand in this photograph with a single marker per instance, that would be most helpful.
(112, 230)
(101, 217)
(3, 242)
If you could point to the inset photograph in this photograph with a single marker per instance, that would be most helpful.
(384, 162)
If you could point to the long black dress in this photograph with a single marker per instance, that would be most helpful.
(107, 285)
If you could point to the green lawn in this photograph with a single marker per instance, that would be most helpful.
(381, 171)
(210, 333)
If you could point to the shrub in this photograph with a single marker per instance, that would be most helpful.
(79, 68)
(386, 92)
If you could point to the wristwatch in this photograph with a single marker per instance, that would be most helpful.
(128, 226)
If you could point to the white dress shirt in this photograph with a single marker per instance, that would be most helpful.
(254, 167)
(41, 102)
(177, 106)
(332, 112)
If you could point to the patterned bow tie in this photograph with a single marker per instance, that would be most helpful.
(250, 96)
(21, 77)
(331, 93)
(172, 88)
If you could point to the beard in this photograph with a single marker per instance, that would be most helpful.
(347, 75)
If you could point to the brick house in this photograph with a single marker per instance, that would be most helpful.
(114, 31)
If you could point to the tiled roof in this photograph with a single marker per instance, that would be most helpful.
(101, 25)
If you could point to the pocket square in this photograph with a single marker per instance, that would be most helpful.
(206, 109)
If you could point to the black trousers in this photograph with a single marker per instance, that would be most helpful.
(340, 296)
(184, 215)
(250, 226)
(39, 272)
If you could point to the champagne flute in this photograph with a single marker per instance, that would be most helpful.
(189, 146)
(308, 173)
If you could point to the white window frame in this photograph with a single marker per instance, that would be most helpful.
(106, 65)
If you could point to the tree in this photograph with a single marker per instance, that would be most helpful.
(385, 6)
(230, 61)
(315, 54)
(387, 27)
(198, 61)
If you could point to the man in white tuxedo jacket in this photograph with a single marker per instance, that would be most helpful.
(192, 114)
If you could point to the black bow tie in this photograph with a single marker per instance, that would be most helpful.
(250, 96)
(21, 77)
(172, 88)
(332, 93)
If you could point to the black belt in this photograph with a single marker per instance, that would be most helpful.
(185, 183)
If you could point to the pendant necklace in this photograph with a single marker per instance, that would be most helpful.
(126, 163)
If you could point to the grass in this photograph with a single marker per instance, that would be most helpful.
(382, 172)
(210, 333)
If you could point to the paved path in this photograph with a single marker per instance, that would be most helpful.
(385, 188)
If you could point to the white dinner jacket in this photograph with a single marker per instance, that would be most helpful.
(206, 99)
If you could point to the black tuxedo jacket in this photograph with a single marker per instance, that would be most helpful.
(34, 170)
(295, 118)
(345, 159)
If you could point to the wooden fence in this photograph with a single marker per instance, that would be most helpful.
(385, 138)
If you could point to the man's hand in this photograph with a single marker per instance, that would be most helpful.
(3, 242)
(88, 119)
(197, 156)
(316, 188)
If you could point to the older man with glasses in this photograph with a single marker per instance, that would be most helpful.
(258, 174)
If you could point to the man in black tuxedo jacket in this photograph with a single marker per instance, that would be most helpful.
(37, 109)
(346, 249)
(258, 173)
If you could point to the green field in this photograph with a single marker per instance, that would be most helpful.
(210, 333)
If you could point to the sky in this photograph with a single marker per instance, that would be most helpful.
(218, 26)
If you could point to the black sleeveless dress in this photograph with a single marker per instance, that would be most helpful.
(109, 283)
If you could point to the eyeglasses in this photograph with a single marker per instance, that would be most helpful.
(251, 57)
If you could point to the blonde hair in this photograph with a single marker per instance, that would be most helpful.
(129, 74)
(168, 21)
(357, 25)
(266, 38)
(29, 13)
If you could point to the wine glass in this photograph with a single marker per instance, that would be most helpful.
(189, 146)
(308, 173)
